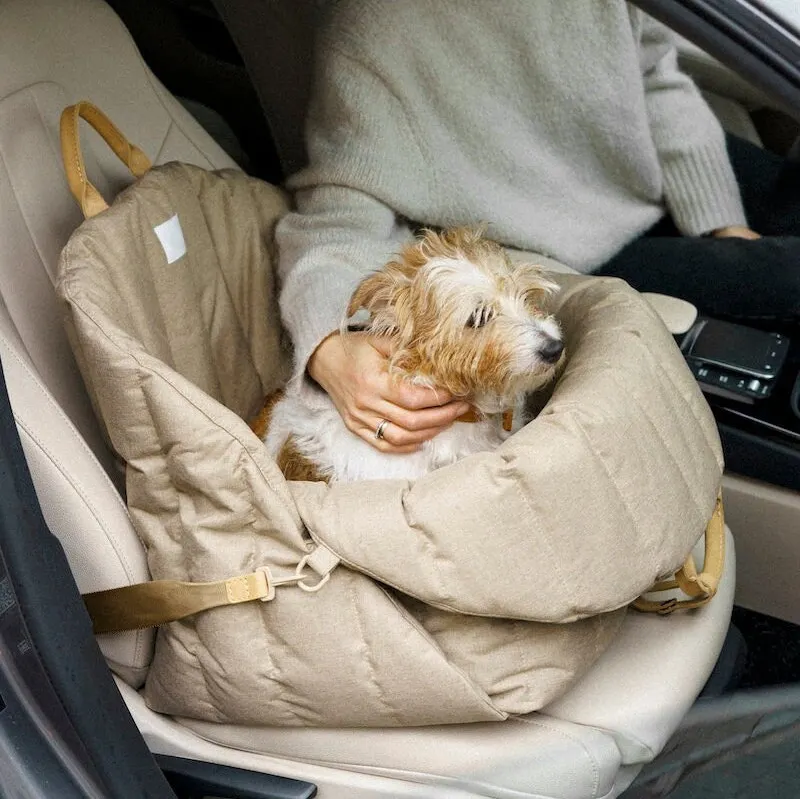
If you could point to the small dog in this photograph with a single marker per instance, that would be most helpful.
(461, 317)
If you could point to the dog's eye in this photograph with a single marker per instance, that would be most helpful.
(480, 316)
(534, 297)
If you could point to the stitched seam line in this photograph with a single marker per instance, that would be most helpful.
(221, 278)
(595, 766)
(431, 641)
(164, 142)
(367, 654)
(20, 208)
(280, 490)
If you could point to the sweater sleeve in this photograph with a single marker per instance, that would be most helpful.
(700, 188)
(361, 152)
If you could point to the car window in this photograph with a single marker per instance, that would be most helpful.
(787, 10)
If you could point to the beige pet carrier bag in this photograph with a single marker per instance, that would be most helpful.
(484, 589)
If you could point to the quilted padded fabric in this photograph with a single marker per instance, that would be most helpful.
(482, 590)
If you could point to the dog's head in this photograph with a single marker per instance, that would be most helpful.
(463, 317)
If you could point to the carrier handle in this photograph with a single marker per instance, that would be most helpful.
(84, 191)
(699, 587)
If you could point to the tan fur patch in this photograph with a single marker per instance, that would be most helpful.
(260, 424)
(296, 466)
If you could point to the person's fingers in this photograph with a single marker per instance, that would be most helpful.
(400, 437)
(405, 394)
(735, 232)
(384, 444)
(357, 380)
(393, 430)
(393, 438)
(413, 397)
(417, 421)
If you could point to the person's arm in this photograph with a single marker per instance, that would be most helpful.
(336, 237)
(361, 152)
(700, 187)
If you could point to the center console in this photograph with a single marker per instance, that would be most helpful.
(751, 379)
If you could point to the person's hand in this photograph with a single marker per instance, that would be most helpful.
(355, 376)
(735, 232)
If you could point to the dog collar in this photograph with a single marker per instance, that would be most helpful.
(472, 416)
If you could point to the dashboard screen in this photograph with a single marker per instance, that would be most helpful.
(739, 347)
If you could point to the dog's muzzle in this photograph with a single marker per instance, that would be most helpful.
(551, 350)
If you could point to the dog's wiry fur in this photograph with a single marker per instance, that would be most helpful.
(461, 317)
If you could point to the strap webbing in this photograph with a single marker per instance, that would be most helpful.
(151, 604)
(700, 588)
(134, 607)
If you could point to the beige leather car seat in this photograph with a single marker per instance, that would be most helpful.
(591, 743)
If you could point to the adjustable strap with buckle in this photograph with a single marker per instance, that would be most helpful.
(700, 587)
(134, 607)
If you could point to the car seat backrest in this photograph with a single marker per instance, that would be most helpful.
(54, 53)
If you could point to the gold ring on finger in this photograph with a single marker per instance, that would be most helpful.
(379, 430)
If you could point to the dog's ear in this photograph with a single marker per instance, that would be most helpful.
(539, 290)
(374, 294)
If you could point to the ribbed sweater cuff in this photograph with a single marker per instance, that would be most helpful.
(310, 327)
(701, 190)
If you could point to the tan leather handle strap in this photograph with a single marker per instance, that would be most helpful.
(134, 607)
(87, 195)
(700, 588)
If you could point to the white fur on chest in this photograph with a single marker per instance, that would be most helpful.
(321, 436)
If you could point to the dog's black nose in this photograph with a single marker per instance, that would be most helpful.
(551, 350)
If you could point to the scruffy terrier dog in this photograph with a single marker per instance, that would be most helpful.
(462, 317)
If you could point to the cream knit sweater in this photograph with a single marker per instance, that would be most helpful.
(565, 125)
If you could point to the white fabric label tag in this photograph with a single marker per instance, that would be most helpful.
(170, 234)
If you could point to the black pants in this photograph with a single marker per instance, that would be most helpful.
(730, 278)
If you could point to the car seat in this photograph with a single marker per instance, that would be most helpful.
(590, 743)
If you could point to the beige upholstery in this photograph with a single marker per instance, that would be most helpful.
(676, 314)
(634, 697)
(710, 75)
(589, 744)
(730, 97)
(52, 54)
